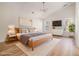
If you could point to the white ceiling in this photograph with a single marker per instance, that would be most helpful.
(26, 8)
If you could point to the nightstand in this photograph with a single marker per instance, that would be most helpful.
(11, 38)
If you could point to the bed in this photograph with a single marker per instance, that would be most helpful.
(33, 39)
(27, 35)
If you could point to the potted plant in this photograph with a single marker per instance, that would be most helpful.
(71, 30)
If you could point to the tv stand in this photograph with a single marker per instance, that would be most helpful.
(57, 31)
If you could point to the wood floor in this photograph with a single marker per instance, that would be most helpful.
(10, 49)
(66, 47)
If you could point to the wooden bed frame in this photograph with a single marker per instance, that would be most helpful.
(33, 44)
(37, 42)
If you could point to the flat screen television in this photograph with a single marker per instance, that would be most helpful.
(57, 23)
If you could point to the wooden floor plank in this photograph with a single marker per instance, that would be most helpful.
(66, 47)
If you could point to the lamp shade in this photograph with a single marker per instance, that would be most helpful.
(11, 26)
(11, 29)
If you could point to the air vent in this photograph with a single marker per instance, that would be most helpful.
(65, 5)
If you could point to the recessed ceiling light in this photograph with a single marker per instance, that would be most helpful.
(32, 12)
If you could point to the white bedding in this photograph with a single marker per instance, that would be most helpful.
(41, 36)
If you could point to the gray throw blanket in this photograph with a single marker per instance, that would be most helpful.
(25, 37)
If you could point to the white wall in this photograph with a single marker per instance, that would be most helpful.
(9, 13)
(37, 23)
(77, 25)
(64, 14)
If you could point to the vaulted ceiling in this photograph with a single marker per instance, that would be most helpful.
(33, 9)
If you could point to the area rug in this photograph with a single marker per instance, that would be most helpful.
(41, 50)
(10, 50)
